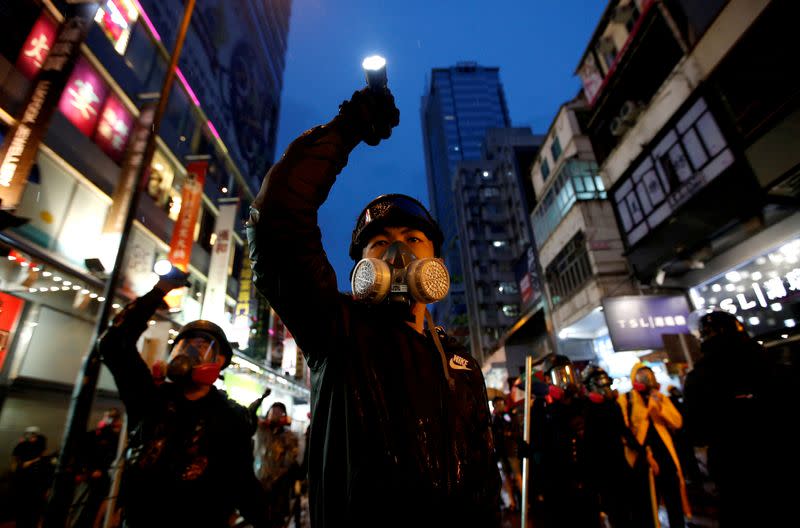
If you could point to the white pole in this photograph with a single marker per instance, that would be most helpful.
(526, 435)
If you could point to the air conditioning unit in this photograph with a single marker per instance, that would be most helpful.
(629, 111)
(619, 127)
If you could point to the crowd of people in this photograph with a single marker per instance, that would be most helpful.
(401, 430)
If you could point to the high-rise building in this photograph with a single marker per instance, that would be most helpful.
(491, 210)
(461, 103)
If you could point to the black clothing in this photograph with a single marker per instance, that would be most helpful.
(29, 484)
(607, 470)
(389, 438)
(739, 404)
(189, 463)
(558, 442)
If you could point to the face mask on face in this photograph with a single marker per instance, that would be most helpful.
(645, 380)
(400, 277)
(195, 360)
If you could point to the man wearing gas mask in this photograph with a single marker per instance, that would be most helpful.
(190, 459)
(652, 417)
(400, 418)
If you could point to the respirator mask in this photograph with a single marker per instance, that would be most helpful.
(645, 380)
(194, 358)
(400, 277)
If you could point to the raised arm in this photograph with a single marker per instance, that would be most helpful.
(289, 264)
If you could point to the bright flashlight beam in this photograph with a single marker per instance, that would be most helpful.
(374, 63)
(162, 267)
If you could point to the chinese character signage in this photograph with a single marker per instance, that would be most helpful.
(113, 128)
(680, 162)
(525, 271)
(636, 322)
(115, 220)
(180, 247)
(37, 46)
(21, 143)
(115, 18)
(214, 298)
(764, 292)
(83, 97)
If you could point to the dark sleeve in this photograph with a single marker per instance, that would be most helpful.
(696, 404)
(251, 499)
(289, 264)
(118, 351)
(487, 494)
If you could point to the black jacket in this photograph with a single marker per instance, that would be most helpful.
(389, 439)
(188, 463)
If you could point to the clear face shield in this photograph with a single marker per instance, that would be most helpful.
(563, 377)
(195, 357)
(600, 384)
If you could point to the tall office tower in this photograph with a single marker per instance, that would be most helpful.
(491, 212)
(460, 104)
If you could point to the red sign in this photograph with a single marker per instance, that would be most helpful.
(10, 310)
(37, 46)
(180, 247)
(83, 97)
(114, 128)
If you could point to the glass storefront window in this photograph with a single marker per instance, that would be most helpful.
(116, 17)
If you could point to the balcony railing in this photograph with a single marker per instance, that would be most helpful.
(576, 180)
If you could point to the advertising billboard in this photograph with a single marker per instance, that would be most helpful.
(637, 322)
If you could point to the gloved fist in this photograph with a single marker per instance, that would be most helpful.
(370, 115)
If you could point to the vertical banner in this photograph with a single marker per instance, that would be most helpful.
(18, 152)
(214, 298)
(180, 246)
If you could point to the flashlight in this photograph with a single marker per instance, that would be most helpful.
(375, 70)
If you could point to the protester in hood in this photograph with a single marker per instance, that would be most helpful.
(651, 417)
(400, 416)
(739, 403)
(190, 458)
(276, 457)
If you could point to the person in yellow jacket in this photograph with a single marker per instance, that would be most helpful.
(652, 417)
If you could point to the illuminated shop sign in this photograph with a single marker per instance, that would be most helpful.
(686, 158)
(114, 128)
(37, 46)
(116, 17)
(637, 322)
(764, 292)
(83, 97)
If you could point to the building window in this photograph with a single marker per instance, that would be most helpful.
(570, 270)
(545, 169)
(555, 149)
(576, 180)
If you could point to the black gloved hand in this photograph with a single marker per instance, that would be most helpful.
(370, 115)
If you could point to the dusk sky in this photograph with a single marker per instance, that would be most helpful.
(536, 44)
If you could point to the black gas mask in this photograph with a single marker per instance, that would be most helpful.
(399, 277)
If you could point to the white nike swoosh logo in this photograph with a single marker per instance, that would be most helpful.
(456, 366)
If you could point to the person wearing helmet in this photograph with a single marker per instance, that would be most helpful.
(189, 460)
(737, 402)
(606, 436)
(651, 418)
(400, 415)
(558, 448)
